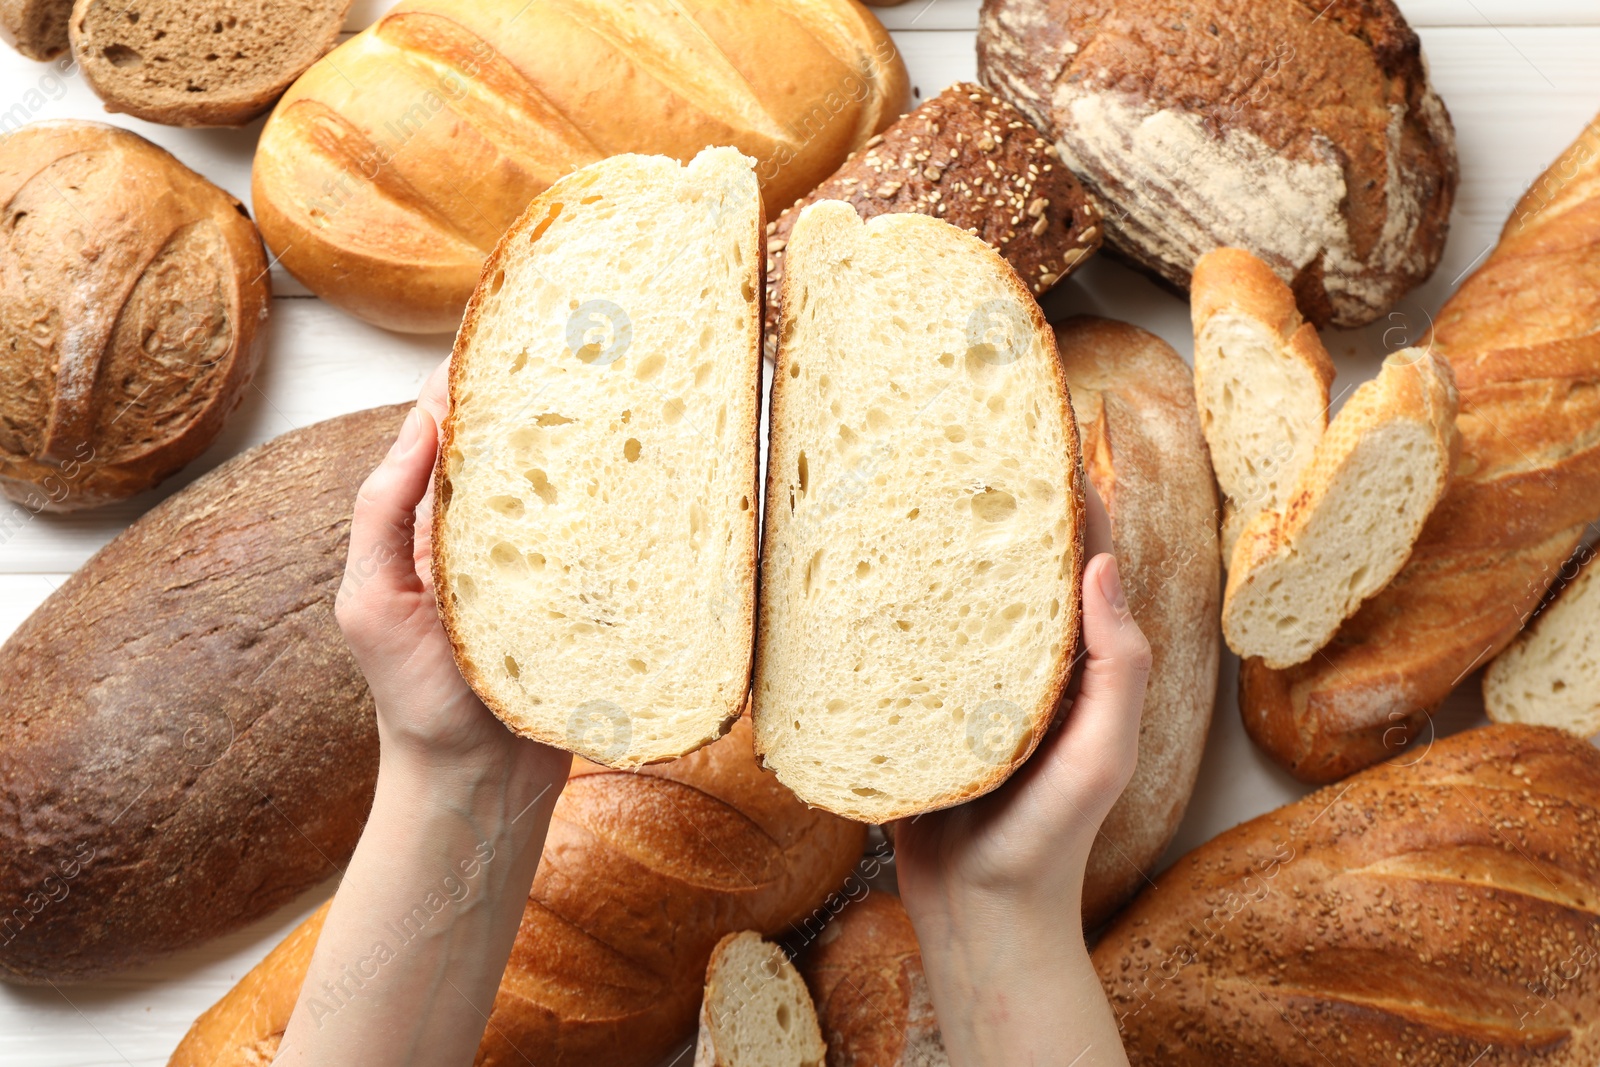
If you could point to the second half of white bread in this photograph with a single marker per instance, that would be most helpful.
(923, 548)
(1550, 676)
(757, 1011)
(1353, 515)
(595, 533)
(1261, 378)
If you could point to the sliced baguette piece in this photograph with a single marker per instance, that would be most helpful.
(206, 62)
(595, 525)
(1550, 676)
(1261, 378)
(923, 549)
(757, 1011)
(1353, 515)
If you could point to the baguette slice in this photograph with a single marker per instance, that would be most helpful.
(595, 537)
(923, 550)
(1261, 378)
(757, 1011)
(36, 28)
(1352, 518)
(1551, 675)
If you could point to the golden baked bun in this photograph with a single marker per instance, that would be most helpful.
(133, 294)
(390, 169)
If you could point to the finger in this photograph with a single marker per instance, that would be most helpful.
(435, 395)
(381, 531)
(1097, 527)
(1104, 719)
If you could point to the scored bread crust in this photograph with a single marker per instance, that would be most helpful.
(1436, 911)
(1414, 386)
(384, 203)
(1232, 281)
(1145, 455)
(745, 577)
(1040, 717)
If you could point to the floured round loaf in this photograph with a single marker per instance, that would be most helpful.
(923, 550)
(1303, 131)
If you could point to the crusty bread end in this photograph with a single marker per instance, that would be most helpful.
(757, 1011)
(1261, 379)
(1353, 516)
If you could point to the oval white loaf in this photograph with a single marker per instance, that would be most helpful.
(1145, 456)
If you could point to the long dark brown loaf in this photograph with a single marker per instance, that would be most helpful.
(185, 742)
(1523, 337)
(1442, 909)
(642, 874)
(973, 160)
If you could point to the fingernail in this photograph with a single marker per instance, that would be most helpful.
(1111, 586)
(410, 430)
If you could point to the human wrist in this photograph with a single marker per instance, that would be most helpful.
(1007, 987)
(503, 795)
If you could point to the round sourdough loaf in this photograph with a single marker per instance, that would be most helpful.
(133, 296)
(200, 62)
(1145, 455)
(388, 172)
(1303, 131)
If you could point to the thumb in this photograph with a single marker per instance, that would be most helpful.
(380, 564)
(1104, 719)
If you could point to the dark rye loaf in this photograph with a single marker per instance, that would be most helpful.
(185, 742)
(973, 160)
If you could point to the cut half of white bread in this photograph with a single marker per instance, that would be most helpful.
(1261, 379)
(923, 543)
(1550, 676)
(1352, 517)
(595, 523)
(757, 1011)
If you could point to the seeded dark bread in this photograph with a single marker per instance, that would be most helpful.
(134, 295)
(973, 160)
(36, 28)
(200, 62)
(186, 743)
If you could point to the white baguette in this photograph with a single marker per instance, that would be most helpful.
(1551, 675)
(757, 1011)
(1353, 516)
(923, 550)
(595, 537)
(1261, 379)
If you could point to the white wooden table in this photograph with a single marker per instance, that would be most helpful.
(1521, 78)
